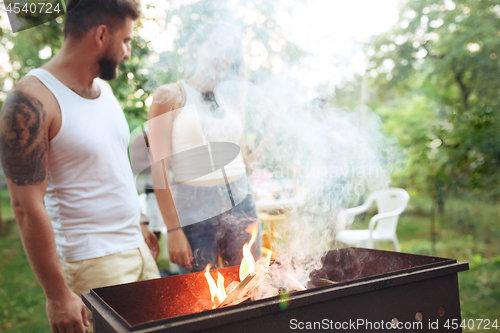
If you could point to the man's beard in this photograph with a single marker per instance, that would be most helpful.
(108, 66)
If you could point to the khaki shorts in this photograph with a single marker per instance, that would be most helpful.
(123, 267)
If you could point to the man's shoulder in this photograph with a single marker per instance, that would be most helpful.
(29, 85)
(27, 90)
(23, 135)
(30, 91)
(33, 87)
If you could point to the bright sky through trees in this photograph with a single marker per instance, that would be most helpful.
(332, 31)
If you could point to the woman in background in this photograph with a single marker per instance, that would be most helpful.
(207, 214)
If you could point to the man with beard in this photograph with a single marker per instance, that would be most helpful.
(63, 141)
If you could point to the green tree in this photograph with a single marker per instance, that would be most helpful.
(447, 51)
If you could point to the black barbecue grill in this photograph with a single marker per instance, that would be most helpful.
(374, 289)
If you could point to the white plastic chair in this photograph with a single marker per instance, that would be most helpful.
(391, 203)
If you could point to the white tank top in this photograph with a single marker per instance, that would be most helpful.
(91, 197)
(194, 126)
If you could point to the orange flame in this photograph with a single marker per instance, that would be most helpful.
(248, 263)
(268, 254)
(216, 290)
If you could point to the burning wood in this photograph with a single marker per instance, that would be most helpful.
(251, 274)
(237, 292)
(232, 295)
(296, 282)
(257, 281)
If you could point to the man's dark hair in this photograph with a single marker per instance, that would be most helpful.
(82, 15)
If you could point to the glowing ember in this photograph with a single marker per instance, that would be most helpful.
(248, 263)
(216, 290)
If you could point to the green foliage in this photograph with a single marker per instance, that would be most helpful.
(24, 54)
(129, 84)
(445, 51)
(347, 94)
(22, 303)
(418, 136)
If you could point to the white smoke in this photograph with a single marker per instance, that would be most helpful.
(333, 157)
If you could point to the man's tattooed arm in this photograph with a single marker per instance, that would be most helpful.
(23, 139)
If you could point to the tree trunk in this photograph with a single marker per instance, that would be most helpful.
(440, 200)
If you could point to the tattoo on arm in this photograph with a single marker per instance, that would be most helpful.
(23, 140)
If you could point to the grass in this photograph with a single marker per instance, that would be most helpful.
(22, 302)
(468, 231)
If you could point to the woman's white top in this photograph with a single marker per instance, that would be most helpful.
(195, 125)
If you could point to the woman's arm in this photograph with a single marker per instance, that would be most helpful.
(166, 100)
